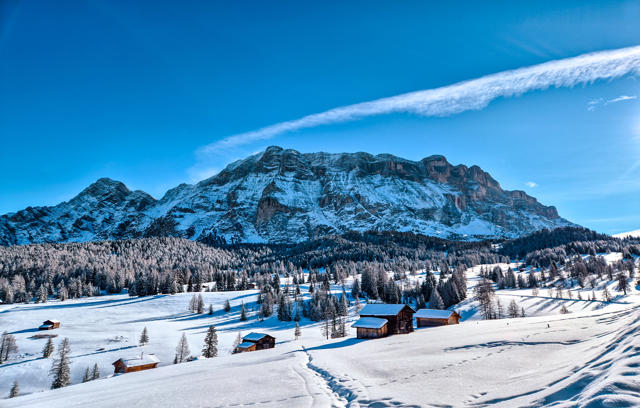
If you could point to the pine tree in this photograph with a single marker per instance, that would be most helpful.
(237, 342)
(95, 374)
(623, 283)
(296, 332)
(243, 313)
(564, 310)
(227, 306)
(60, 367)
(182, 349)
(200, 305)
(326, 329)
(435, 301)
(48, 349)
(210, 348)
(8, 346)
(606, 296)
(210, 309)
(522, 313)
(512, 309)
(144, 337)
(87, 376)
(15, 390)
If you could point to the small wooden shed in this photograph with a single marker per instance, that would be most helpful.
(371, 327)
(256, 341)
(399, 316)
(138, 363)
(435, 317)
(49, 325)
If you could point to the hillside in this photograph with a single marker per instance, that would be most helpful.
(590, 355)
(284, 196)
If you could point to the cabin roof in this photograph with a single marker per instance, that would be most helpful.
(52, 321)
(255, 336)
(139, 360)
(246, 344)
(382, 309)
(433, 314)
(370, 323)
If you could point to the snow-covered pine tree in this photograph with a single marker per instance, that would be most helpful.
(60, 368)
(200, 305)
(95, 374)
(48, 348)
(87, 375)
(512, 309)
(193, 303)
(623, 283)
(435, 301)
(236, 342)
(296, 332)
(144, 337)
(243, 313)
(522, 313)
(210, 348)
(210, 309)
(8, 346)
(15, 389)
(182, 349)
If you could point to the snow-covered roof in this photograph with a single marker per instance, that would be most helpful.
(246, 344)
(52, 321)
(433, 314)
(370, 323)
(254, 336)
(139, 360)
(381, 309)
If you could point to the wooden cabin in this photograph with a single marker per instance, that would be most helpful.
(435, 317)
(371, 327)
(255, 341)
(49, 325)
(139, 363)
(398, 316)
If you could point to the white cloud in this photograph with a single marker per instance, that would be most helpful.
(531, 184)
(621, 98)
(468, 95)
(594, 103)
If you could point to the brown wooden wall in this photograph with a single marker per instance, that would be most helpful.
(364, 333)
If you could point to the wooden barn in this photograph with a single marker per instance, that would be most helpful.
(49, 325)
(371, 327)
(139, 363)
(399, 316)
(255, 341)
(435, 317)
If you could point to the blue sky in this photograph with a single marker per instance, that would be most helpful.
(134, 91)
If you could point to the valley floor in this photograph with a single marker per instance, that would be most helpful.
(587, 358)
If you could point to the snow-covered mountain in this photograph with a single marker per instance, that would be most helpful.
(285, 196)
(629, 234)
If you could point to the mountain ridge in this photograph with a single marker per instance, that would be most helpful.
(282, 195)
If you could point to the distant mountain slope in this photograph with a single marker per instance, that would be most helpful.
(284, 196)
(629, 234)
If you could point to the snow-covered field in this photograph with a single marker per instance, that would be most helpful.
(588, 357)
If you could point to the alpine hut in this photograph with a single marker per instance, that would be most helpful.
(49, 325)
(138, 363)
(256, 341)
(399, 317)
(435, 317)
(371, 327)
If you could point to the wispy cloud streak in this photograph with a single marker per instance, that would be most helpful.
(463, 96)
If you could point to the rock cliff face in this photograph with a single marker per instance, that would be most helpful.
(285, 196)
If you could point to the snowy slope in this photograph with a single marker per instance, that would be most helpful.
(584, 358)
(635, 234)
(284, 196)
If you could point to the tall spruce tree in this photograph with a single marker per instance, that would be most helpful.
(210, 348)
(48, 348)
(95, 374)
(144, 337)
(296, 332)
(60, 368)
